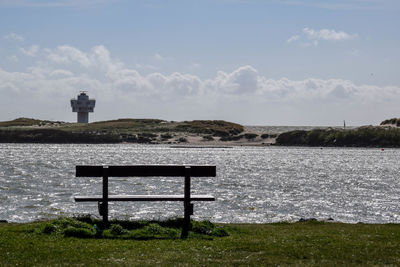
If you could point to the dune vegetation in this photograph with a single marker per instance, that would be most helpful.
(201, 132)
(24, 130)
(359, 137)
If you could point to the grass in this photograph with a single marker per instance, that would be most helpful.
(27, 122)
(134, 126)
(117, 126)
(213, 127)
(285, 244)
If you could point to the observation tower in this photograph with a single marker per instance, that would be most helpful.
(83, 105)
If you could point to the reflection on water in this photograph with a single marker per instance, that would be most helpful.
(253, 184)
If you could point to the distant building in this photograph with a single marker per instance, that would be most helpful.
(83, 105)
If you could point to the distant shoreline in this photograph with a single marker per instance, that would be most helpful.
(201, 133)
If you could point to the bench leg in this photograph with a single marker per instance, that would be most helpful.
(103, 210)
(188, 207)
(100, 206)
(104, 203)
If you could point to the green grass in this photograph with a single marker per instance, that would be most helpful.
(284, 244)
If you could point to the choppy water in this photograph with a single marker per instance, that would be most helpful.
(253, 184)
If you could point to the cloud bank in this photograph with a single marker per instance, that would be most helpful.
(242, 95)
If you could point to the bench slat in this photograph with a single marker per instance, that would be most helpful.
(144, 198)
(145, 170)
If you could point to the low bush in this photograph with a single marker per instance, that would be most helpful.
(264, 136)
(117, 229)
(49, 228)
(72, 231)
(208, 138)
(394, 121)
(182, 140)
(87, 227)
(219, 232)
(166, 136)
(232, 138)
(148, 135)
(250, 136)
(154, 231)
(208, 228)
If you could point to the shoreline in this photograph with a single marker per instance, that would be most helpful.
(199, 133)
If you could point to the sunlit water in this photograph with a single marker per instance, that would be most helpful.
(253, 184)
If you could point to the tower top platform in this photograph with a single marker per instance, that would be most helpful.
(82, 104)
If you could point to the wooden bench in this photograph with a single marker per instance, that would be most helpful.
(147, 171)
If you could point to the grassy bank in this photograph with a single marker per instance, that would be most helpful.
(302, 243)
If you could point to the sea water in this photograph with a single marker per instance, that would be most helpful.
(253, 184)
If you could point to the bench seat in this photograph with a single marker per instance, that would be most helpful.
(99, 198)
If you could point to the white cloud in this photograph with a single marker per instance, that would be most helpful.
(66, 54)
(293, 38)
(241, 81)
(31, 51)
(328, 35)
(311, 37)
(122, 91)
(157, 56)
(14, 36)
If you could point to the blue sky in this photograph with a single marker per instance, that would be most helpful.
(255, 62)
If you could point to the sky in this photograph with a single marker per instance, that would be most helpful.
(253, 62)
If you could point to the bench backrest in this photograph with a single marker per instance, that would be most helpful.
(145, 170)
